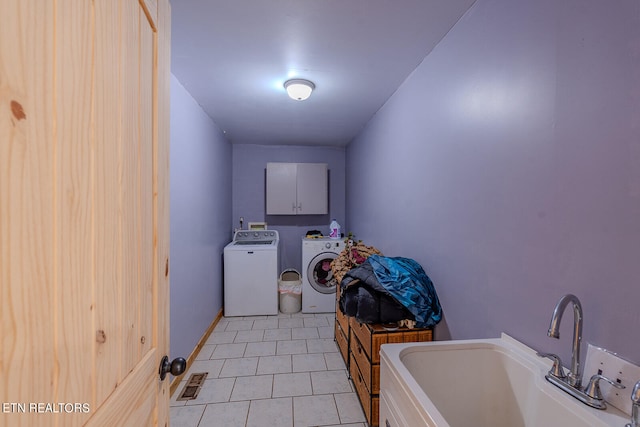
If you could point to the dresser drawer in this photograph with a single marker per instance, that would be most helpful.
(370, 372)
(343, 343)
(372, 336)
(370, 403)
(361, 331)
(342, 320)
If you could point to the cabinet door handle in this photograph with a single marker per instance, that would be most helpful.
(293, 206)
(299, 207)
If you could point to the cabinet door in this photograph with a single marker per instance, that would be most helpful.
(281, 189)
(312, 189)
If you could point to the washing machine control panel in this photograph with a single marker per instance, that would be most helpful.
(246, 236)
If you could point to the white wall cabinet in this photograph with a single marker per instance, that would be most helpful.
(297, 189)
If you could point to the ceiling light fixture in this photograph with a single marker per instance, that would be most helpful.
(299, 89)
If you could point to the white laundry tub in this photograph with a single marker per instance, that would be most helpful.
(484, 383)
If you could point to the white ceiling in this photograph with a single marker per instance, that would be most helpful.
(233, 57)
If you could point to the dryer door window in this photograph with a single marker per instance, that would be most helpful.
(319, 273)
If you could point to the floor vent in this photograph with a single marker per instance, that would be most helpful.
(193, 386)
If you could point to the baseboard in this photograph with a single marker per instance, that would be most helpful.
(175, 382)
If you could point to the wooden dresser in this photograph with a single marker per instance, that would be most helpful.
(359, 345)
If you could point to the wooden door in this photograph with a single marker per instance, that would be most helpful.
(84, 217)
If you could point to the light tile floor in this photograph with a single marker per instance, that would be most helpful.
(271, 371)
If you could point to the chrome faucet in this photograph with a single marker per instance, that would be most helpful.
(575, 376)
(635, 408)
(571, 383)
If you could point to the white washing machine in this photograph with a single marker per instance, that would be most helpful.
(251, 273)
(318, 284)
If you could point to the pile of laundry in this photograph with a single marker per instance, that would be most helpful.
(379, 289)
(351, 256)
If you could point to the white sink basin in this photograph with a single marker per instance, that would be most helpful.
(480, 383)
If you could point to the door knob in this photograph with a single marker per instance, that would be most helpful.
(176, 367)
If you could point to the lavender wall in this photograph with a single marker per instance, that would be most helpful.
(200, 217)
(508, 165)
(249, 169)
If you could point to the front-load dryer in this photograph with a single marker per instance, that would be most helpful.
(318, 284)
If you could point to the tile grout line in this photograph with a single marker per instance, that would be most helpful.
(319, 349)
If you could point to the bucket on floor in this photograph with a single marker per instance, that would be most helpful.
(290, 291)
